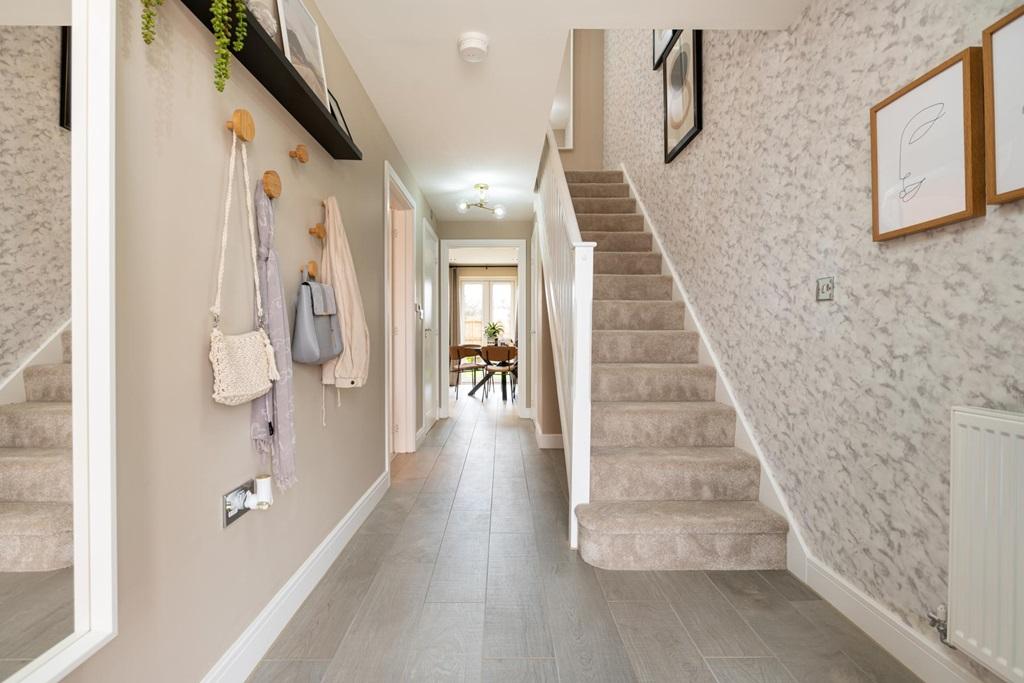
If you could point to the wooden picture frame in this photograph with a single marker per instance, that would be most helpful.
(1011, 101)
(685, 69)
(935, 155)
(660, 43)
(64, 118)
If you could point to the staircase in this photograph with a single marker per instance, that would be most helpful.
(35, 471)
(668, 489)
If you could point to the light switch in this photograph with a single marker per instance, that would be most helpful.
(826, 289)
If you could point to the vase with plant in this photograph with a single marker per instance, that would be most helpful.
(493, 330)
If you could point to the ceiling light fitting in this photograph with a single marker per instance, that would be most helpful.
(481, 202)
(473, 46)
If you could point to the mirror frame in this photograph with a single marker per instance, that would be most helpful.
(93, 56)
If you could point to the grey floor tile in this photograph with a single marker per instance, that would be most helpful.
(460, 574)
(791, 587)
(36, 612)
(834, 667)
(713, 623)
(586, 642)
(414, 465)
(628, 585)
(749, 670)
(288, 671)
(657, 644)
(516, 630)
(520, 671)
(316, 629)
(448, 644)
(379, 638)
(858, 646)
(511, 516)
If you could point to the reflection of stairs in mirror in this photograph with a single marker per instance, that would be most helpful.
(35, 471)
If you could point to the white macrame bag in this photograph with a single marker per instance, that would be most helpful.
(243, 364)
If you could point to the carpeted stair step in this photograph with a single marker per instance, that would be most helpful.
(35, 537)
(593, 176)
(619, 241)
(673, 474)
(35, 425)
(638, 315)
(604, 204)
(633, 287)
(646, 424)
(35, 475)
(645, 346)
(652, 382)
(598, 189)
(626, 263)
(611, 222)
(681, 535)
(48, 382)
(65, 340)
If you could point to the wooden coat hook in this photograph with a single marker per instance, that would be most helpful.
(312, 269)
(272, 184)
(300, 154)
(242, 125)
(318, 231)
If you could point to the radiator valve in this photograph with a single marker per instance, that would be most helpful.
(937, 620)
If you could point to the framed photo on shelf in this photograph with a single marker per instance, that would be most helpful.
(1003, 49)
(662, 39)
(927, 150)
(266, 13)
(337, 113)
(682, 84)
(300, 36)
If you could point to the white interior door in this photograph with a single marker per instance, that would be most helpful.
(431, 260)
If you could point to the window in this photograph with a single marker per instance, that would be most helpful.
(483, 302)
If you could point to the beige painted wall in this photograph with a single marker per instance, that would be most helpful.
(588, 102)
(547, 415)
(186, 587)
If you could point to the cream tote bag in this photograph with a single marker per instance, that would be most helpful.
(243, 364)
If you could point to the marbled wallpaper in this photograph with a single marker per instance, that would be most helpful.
(35, 199)
(850, 399)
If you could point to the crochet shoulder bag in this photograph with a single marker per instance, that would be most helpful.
(243, 364)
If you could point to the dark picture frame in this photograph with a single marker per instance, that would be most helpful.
(660, 44)
(338, 115)
(683, 63)
(65, 78)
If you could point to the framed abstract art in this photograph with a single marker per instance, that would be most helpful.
(682, 83)
(927, 150)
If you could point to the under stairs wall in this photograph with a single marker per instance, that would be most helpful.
(848, 400)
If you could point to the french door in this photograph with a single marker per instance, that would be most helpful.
(483, 301)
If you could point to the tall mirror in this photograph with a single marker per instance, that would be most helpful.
(561, 117)
(49, 466)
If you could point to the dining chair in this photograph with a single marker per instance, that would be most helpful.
(502, 360)
(457, 364)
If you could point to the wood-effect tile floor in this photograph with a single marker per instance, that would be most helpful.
(37, 611)
(463, 573)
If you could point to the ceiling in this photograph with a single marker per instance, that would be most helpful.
(483, 256)
(456, 123)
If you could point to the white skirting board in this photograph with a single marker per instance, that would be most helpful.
(546, 440)
(926, 657)
(238, 663)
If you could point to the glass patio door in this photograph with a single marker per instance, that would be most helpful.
(483, 302)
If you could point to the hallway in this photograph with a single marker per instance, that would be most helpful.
(463, 573)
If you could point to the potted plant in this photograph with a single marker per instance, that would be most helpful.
(493, 331)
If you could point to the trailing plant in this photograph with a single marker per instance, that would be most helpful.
(149, 19)
(228, 34)
(494, 330)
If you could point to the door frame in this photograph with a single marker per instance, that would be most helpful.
(93, 55)
(400, 340)
(521, 317)
(428, 362)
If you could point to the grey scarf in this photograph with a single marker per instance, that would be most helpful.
(273, 414)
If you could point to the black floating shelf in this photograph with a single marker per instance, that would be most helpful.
(266, 61)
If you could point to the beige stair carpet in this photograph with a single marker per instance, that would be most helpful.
(668, 488)
(36, 472)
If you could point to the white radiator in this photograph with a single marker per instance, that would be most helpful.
(986, 566)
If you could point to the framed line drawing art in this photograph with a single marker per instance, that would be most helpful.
(682, 85)
(928, 151)
(1003, 46)
(662, 39)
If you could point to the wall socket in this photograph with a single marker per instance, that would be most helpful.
(229, 517)
(826, 290)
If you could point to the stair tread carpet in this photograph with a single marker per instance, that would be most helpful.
(34, 519)
(37, 424)
(669, 489)
(49, 382)
(36, 474)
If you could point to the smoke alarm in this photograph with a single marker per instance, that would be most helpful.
(473, 46)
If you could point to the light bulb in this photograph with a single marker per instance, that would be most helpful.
(463, 206)
(499, 211)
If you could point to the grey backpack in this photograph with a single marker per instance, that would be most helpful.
(316, 337)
